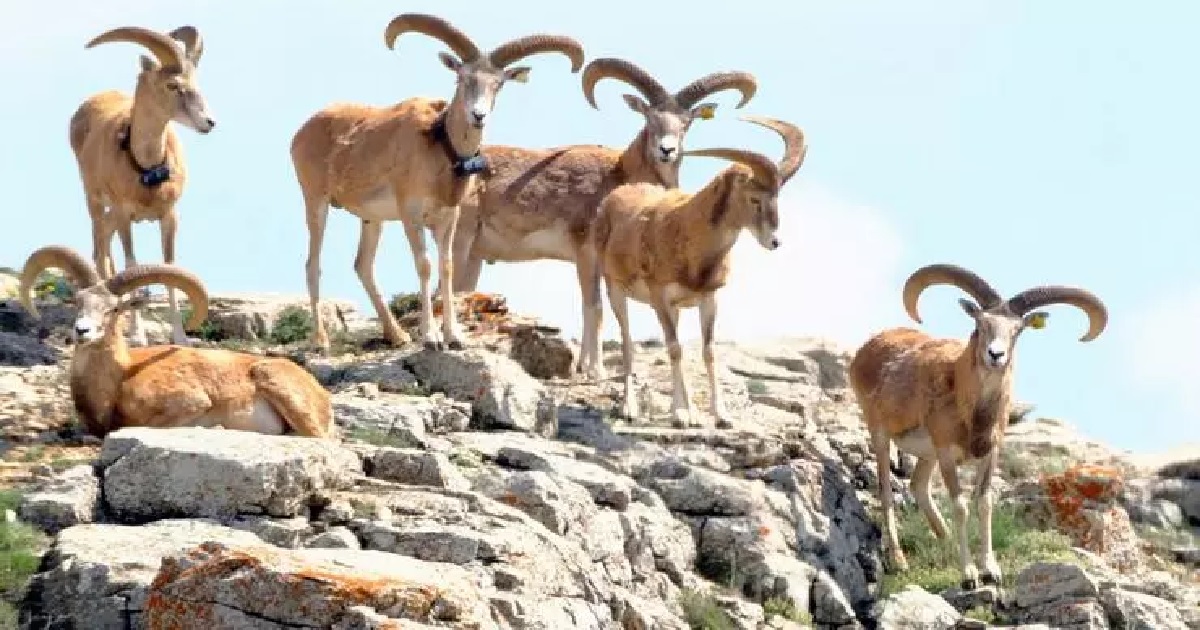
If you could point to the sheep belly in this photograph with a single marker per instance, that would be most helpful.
(918, 442)
(677, 295)
(261, 417)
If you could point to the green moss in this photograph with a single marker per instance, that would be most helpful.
(19, 558)
(933, 563)
(756, 387)
(702, 612)
(787, 609)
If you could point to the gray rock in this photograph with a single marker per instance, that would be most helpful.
(1138, 611)
(97, 576)
(151, 474)
(335, 538)
(696, 491)
(541, 352)
(1046, 582)
(503, 396)
(400, 418)
(914, 607)
(287, 533)
(23, 351)
(70, 498)
(413, 466)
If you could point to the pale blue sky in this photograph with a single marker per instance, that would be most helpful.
(1034, 142)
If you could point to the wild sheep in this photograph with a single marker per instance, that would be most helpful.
(949, 402)
(534, 204)
(411, 162)
(670, 249)
(130, 160)
(114, 386)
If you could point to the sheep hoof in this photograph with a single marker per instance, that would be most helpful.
(455, 344)
(433, 345)
(989, 579)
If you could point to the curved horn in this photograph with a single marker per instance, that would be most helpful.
(945, 273)
(743, 82)
(794, 148)
(523, 47)
(140, 276)
(163, 47)
(1029, 299)
(434, 27)
(621, 70)
(193, 44)
(764, 169)
(80, 271)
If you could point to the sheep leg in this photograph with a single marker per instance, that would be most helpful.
(364, 266)
(316, 211)
(101, 239)
(949, 468)
(619, 301)
(921, 485)
(415, 231)
(708, 322)
(124, 229)
(466, 262)
(984, 472)
(303, 405)
(681, 399)
(881, 445)
(587, 269)
(443, 235)
(168, 227)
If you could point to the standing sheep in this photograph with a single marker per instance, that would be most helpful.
(130, 159)
(948, 402)
(670, 249)
(411, 162)
(534, 204)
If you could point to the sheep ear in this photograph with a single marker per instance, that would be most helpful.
(148, 63)
(635, 103)
(1037, 319)
(133, 303)
(520, 74)
(450, 61)
(969, 307)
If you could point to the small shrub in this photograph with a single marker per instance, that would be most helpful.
(981, 613)
(1017, 465)
(610, 345)
(208, 331)
(756, 387)
(785, 608)
(404, 303)
(702, 612)
(19, 557)
(293, 324)
(933, 563)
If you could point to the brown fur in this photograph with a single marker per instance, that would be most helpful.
(114, 386)
(905, 379)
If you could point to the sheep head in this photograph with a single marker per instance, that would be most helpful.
(100, 304)
(999, 322)
(750, 193)
(668, 116)
(480, 76)
(167, 82)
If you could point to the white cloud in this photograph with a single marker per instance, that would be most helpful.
(1162, 350)
(836, 275)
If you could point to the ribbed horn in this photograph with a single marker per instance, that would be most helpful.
(764, 169)
(625, 71)
(523, 47)
(139, 276)
(794, 148)
(707, 85)
(954, 275)
(79, 270)
(434, 27)
(1084, 300)
(161, 46)
(193, 44)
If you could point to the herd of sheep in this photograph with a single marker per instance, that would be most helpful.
(618, 214)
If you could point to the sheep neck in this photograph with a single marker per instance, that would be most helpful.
(711, 221)
(97, 371)
(634, 167)
(983, 397)
(460, 141)
(147, 133)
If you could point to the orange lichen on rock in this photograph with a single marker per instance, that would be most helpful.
(215, 584)
(1083, 501)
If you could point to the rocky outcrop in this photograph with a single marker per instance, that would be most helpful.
(466, 493)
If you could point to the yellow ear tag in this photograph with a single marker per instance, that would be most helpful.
(1038, 321)
(707, 112)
